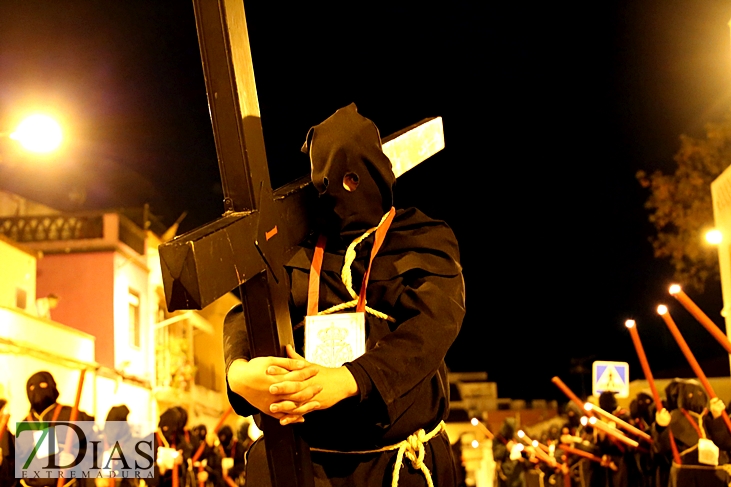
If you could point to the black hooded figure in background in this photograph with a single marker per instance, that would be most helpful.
(510, 467)
(171, 435)
(7, 452)
(691, 433)
(43, 396)
(118, 437)
(359, 418)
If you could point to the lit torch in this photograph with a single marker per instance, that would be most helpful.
(632, 326)
(662, 310)
(605, 428)
(620, 422)
(698, 314)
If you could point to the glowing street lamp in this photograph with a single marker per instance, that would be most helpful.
(38, 133)
(714, 237)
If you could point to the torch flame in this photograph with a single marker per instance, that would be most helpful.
(584, 420)
(474, 421)
(588, 406)
(521, 434)
(535, 443)
(662, 309)
(629, 323)
(674, 289)
(592, 420)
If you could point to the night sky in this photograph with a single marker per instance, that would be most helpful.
(549, 110)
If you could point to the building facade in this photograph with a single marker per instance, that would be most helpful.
(84, 291)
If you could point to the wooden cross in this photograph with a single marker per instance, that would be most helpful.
(261, 227)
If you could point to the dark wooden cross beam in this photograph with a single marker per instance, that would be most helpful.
(260, 228)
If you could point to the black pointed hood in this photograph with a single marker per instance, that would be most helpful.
(350, 171)
(41, 390)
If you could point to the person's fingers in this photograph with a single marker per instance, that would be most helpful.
(307, 407)
(277, 370)
(291, 353)
(306, 394)
(287, 408)
(293, 381)
(288, 363)
(294, 387)
(291, 419)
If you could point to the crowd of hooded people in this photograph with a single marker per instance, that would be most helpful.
(184, 456)
(685, 442)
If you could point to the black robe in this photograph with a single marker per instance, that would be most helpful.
(402, 380)
(691, 473)
(64, 414)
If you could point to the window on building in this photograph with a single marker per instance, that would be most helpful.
(21, 298)
(134, 319)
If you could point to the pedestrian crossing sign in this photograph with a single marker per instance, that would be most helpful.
(610, 376)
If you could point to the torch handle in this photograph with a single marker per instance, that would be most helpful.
(703, 319)
(726, 419)
(688, 354)
(623, 424)
(645, 366)
(693, 363)
(569, 393)
(72, 417)
(202, 446)
(221, 420)
(580, 453)
(175, 474)
(601, 425)
(3, 424)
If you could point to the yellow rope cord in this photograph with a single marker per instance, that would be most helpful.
(412, 448)
(347, 278)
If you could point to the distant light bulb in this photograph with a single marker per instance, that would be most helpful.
(662, 309)
(38, 133)
(714, 237)
(629, 323)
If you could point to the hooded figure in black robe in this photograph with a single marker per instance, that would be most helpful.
(415, 280)
(118, 437)
(171, 434)
(7, 452)
(619, 453)
(509, 469)
(689, 423)
(232, 451)
(43, 395)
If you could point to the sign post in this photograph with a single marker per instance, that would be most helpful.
(610, 376)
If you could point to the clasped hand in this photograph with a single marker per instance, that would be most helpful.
(289, 388)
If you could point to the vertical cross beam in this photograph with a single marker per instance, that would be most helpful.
(234, 108)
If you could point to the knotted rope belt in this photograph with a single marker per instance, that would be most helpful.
(412, 448)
